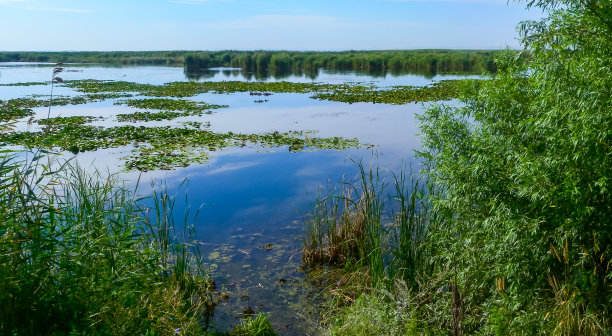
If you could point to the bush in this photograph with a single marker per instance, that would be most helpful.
(79, 254)
(525, 165)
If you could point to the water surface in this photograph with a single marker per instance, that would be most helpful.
(254, 200)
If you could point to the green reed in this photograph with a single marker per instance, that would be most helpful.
(80, 253)
(370, 226)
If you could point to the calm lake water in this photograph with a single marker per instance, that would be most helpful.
(254, 200)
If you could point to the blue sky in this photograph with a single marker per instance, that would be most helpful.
(255, 24)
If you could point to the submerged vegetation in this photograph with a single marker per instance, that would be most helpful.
(515, 237)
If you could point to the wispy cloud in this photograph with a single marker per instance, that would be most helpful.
(64, 10)
(231, 167)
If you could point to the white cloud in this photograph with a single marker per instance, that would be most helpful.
(231, 167)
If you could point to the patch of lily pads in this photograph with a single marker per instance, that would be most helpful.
(165, 147)
(25, 84)
(443, 90)
(348, 93)
(169, 104)
(169, 109)
(171, 147)
(67, 121)
(22, 107)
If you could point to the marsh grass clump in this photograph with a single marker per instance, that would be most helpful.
(80, 254)
(254, 326)
(367, 226)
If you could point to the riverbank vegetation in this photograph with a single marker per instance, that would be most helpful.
(81, 254)
(516, 236)
(279, 63)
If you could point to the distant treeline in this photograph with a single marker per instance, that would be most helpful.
(435, 61)
(379, 61)
(175, 58)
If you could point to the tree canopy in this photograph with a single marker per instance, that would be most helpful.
(525, 166)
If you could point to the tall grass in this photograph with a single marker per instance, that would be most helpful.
(371, 226)
(80, 254)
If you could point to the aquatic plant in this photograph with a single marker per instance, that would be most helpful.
(22, 107)
(169, 104)
(67, 121)
(79, 253)
(348, 93)
(168, 107)
(55, 79)
(25, 84)
(254, 326)
(443, 90)
(356, 227)
(163, 147)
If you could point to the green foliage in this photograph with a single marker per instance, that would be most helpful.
(80, 255)
(378, 312)
(262, 62)
(347, 93)
(519, 240)
(356, 227)
(443, 90)
(162, 147)
(169, 104)
(377, 62)
(169, 107)
(525, 166)
(22, 107)
(67, 121)
(257, 326)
